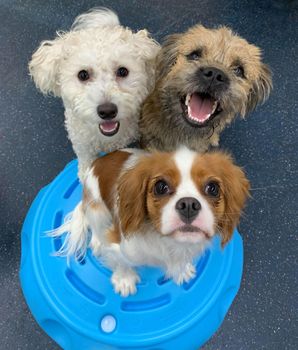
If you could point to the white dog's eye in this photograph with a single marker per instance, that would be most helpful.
(83, 75)
(122, 72)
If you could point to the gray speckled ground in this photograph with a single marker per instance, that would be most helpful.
(34, 148)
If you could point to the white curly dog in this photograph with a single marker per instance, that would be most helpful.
(103, 72)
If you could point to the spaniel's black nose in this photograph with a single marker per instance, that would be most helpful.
(188, 209)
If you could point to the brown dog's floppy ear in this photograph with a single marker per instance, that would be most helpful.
(261, 89)
(236, 191)
(132, 198)
(167, 55)
(44, 66)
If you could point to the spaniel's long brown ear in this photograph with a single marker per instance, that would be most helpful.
(167, 55)
(132, 197)
(261, 88)
(236, 191)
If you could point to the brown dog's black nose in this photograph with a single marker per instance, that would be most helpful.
(188, 209)
(213, 77)
(107, 111)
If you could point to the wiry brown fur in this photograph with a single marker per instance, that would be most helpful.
(162, 125)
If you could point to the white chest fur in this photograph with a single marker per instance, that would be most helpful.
(155, 250)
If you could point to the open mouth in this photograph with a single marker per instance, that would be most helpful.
(109, 128)
(199, 108)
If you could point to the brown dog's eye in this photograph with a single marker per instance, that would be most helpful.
(212, 189)
(239, 71)
(83, 75)
(122, 72)
(161, 188)
(195, 55)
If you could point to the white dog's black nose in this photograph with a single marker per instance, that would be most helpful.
(107, 111)
(188, 209)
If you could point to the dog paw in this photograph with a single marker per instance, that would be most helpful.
(125, 281)
(186, 275)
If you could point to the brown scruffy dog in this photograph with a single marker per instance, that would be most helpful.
(205, 77)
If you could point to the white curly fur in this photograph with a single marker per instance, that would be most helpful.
(99, 44)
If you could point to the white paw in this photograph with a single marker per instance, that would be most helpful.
(124, 282)
(186, 275)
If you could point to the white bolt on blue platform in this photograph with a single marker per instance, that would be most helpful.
(108, 324)
(75, 304)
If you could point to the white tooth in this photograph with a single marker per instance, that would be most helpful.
(188, 111)
(214, 107)
(187, 99)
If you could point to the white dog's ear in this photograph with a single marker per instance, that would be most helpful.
(148, 49)
(97, 17)
(44, 66)
(147, 46)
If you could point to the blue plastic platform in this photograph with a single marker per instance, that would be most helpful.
(75, 304)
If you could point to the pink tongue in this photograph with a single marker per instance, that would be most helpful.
(108, 126)
(199, 108)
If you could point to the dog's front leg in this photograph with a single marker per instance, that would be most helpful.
(85, 162)
(83, 144)
(124, 277)
(124, 280)
(182, 273)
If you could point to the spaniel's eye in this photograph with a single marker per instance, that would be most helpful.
(239, 71)
(83, 75)
(195, 55)
(122, 72)
(161, 188)
(212, 189)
